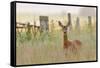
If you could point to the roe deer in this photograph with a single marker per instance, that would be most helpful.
(74, 45)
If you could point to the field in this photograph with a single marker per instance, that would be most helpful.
(55, 34)
(48, 47)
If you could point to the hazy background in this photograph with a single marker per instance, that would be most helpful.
(30, 12)
(23, 8)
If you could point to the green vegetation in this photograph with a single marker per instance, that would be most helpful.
(47, 47)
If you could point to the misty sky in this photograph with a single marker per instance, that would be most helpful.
(25, 8)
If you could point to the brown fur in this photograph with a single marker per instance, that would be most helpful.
(75, 45)
(68, 44)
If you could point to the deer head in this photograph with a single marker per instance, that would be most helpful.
(64, 28)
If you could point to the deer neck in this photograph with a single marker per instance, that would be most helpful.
(65, 36)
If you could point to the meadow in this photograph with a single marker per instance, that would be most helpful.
(47, 47)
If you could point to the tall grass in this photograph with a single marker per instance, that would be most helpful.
(47, 47)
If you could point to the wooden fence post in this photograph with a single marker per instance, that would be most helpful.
(28, 31)
(77, 26)
(69, 20)
(89, 21)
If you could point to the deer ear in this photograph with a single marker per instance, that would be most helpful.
(60, 24)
